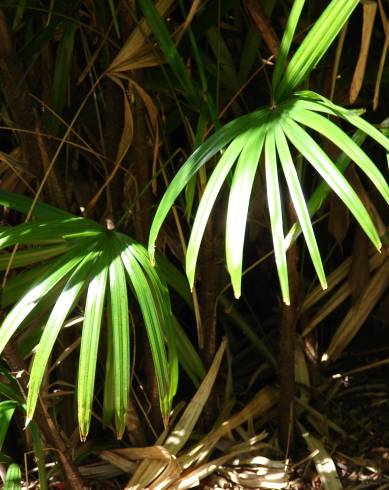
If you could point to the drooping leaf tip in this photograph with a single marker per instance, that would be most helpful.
(27, 422)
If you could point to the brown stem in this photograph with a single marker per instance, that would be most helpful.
(263, 25)
(287, 347)
(45, 423)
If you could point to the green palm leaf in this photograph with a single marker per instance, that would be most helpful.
(13, 478)
(275, 211)
(150, 314)
(208, 199)
(58, 270)
(52, 229)
(322, 191)
(315, 102)
(66, 301)
(238, 203)
(307, 146)
(314, 46)
(198, 158)
(299, 203)
(119, 319)
(286, 42)
(90, 342)
(346, 144)
(161, 300)
(23, 204)
(7, 409)
(28, 257)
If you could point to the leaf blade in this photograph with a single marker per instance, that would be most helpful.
(315, 45)
(299, 203)
(307, 146)
(120, 337)
(198, 158)
(238, 204)
(328, 129)
(275, 212)
(89, 344)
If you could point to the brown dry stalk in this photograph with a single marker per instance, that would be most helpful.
(263, 25)
(369, 13)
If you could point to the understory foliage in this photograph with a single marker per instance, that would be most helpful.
(137, 138)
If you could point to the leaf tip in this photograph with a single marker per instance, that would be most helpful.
(27, 422)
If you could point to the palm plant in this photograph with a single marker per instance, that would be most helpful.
(268, 132)
(81, 255)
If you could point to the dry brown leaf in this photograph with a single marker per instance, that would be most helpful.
(261, 403)
(358, 313)
(340, 295)
(324, 464)
(136, 52)
(148, 470)
(118, 461)
(369, 13)
(381, 66)
(194, 8)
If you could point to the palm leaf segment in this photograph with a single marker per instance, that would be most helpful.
(83, 257)
(272, 132)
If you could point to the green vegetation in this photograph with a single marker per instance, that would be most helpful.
(121, 126)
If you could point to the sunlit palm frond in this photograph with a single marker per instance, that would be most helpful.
(267, 133)
(87, 258)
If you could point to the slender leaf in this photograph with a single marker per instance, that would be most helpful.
(109, 380)
(188, 356)
(299, 203)
(23, 205)
(238, 203)
(319, 103)
(163, 309)
(58, 270)
(208, 199)
(31, 256)
(307, 146)
(150, 315)
(166, 44)
(66, 301)
(315, 45)
(89, 343)
(328, 129)
(39, 455)
(7, 409)
(55, 229)
(120, 337)
(198, 158)
(323, 189)
(174, 278)
(286, 42)
(61, 75)
(275, 212)
(325, 465)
